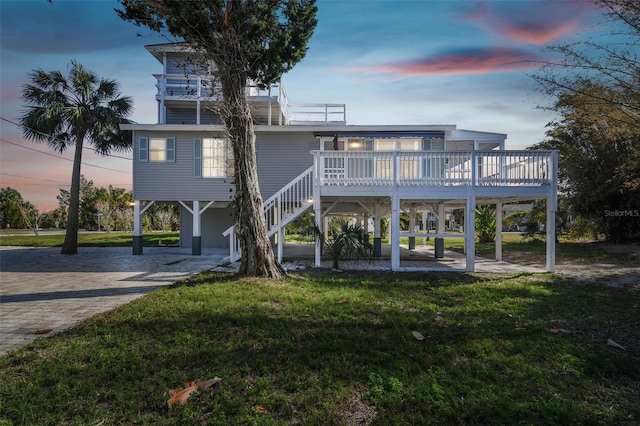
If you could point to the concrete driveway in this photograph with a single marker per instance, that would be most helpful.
(43, 292)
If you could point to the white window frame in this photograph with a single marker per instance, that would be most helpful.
(202, 157)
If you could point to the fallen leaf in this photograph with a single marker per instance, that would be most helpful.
(211, 382)
(175, 391)
(44, 331)
(417, 335)
(181, 396)
(345, 300)
(558, 331)
(615, 345)
(259, 409)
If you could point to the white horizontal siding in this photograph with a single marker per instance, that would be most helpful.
(281, 157)
(181, 116)
(189, 116)
(176, 181)
(181, 64)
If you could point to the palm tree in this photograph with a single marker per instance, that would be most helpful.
(63, 111)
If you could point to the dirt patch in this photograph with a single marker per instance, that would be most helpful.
(621, 269)
(609, 274)
(357, 412)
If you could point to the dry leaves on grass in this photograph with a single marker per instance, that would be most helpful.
(615, 345)
(181, 395)
(417, 335)
(559, 331)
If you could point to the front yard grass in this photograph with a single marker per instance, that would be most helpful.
(89, 239)
(329, 348)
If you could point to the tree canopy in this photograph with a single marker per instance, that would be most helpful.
(615, 66)
(260, 39)
(247, 40)
(597, 96)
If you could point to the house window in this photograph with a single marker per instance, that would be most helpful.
(409, 164)
(161, 150)
(213, 158)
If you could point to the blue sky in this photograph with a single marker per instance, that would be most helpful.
(460, 62)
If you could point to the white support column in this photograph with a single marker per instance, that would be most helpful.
(395, 232)
(196, 239)
(551, 236)
(317, 209)
(462, 228)
(280, 243)
(470, 233)
(317, 205)
(162, 113)
(470, 216)
(198, 96)
(269, 106)
(438, 242)
(412, 227)
(425, 225)
(552, 207)
(137, 228)
(377, 223)
(441, 218)
(499, 230)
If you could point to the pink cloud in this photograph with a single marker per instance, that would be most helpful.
(535, 22)
(535, 32)
(469, 61)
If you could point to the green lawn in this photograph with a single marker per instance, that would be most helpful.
(93, 239)
(329, 348)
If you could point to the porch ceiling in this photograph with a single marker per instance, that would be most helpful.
(360, 205)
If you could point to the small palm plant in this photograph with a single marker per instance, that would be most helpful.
(485, 224)
(348, 241)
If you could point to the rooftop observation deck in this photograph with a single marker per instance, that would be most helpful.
(269, 106)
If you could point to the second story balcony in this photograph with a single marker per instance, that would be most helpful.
(484, 171)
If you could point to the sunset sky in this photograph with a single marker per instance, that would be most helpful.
(461, 62)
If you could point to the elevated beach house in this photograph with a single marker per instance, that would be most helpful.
(310, 158)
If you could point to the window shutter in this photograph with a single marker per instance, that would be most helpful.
(171, 150)
(143, 150)
(368, 144)
(197, 158)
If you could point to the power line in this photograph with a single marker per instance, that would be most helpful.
(54, 181)
(60, 140)
(29, 177)
(62, 158)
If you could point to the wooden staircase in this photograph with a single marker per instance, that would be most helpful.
(280, 209)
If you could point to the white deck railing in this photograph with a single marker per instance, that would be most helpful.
(280, 209)
(403, 168)
(194, 87)
(316, 113)
(439, 168)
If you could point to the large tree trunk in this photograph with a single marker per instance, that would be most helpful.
(70, 245)
(258, 258)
